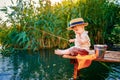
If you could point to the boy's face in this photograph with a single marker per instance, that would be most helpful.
(78, 29)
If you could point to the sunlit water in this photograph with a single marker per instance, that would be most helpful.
(44, 65)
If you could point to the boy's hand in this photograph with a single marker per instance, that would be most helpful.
(71, 40)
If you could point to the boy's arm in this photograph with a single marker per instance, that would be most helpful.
(72, 40)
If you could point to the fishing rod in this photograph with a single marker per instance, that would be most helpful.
(50, 34)
(59, 37)
(54, 35)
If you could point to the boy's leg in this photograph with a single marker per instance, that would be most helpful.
(62, 52)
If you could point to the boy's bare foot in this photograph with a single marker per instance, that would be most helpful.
(59, 52)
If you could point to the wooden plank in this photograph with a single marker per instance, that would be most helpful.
(110, 56)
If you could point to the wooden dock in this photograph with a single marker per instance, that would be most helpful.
(110, 56)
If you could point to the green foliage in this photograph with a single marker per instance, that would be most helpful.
(114, 37)
(43, 26)
(4, 31)
(100, 19)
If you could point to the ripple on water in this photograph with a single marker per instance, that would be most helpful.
(42, 66)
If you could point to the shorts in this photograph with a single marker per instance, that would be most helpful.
(74, 51)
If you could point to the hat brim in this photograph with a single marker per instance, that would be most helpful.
(71, 27)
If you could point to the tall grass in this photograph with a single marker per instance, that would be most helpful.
(31, 26)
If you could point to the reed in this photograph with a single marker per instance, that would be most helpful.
(33, 27)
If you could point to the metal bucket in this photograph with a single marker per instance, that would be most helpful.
(101, 49)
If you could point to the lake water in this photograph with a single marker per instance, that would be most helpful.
(44, 65)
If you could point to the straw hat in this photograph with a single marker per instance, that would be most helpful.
(77, 21)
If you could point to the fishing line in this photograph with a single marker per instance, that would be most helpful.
(59, 37)
(54, 35)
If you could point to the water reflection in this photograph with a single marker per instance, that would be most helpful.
(44, 65)
(115, 73)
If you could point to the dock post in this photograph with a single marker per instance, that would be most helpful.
(75, 70)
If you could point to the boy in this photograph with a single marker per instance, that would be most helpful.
(82, 40)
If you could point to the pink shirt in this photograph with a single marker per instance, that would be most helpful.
(82, 41)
